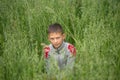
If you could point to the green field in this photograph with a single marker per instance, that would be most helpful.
(93, 26)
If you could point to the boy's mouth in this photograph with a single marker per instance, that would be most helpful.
(56, 46)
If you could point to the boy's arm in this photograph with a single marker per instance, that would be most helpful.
(46, 54)
(71, 56)
(46, 51)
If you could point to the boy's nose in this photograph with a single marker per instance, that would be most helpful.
(55, 40)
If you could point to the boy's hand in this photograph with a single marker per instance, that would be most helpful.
(44, 45)
(46, 49)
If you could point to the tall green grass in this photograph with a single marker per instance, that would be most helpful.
(92, 26)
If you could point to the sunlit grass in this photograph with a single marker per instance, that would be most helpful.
(92, 26)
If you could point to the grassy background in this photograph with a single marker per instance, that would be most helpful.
(93, 26)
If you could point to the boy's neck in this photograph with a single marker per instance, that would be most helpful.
(60, 47)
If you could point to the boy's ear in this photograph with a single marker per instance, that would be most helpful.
(64, 35)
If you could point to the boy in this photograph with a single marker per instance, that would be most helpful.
(59, 55)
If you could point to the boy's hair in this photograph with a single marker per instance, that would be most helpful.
(56, 27)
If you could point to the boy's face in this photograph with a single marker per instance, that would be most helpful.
(56, 38)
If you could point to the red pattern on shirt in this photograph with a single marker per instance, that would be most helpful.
(46, 51)
(72, 49)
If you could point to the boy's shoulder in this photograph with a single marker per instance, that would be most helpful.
(71, 48)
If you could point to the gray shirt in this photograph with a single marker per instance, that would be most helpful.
(59, 59)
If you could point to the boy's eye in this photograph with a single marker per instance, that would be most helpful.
(55, 38)
(52, 38)
(58, 38)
